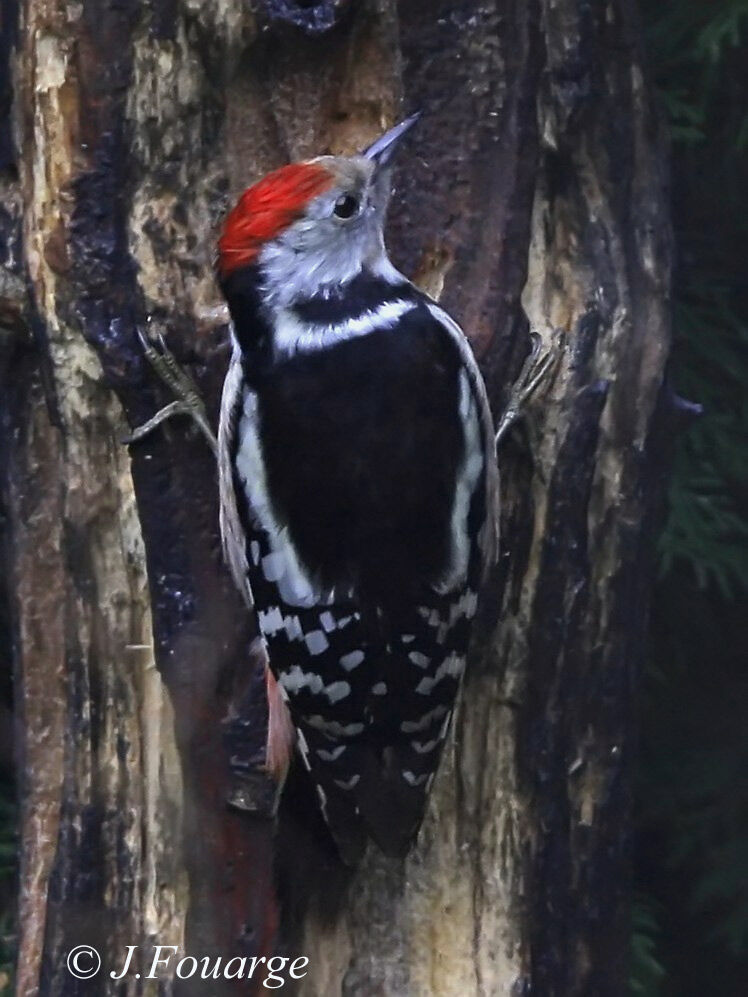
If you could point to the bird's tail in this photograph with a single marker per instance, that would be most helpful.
(381, 794)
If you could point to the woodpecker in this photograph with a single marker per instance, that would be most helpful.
(358, 489)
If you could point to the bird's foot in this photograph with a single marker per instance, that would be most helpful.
(187, 401)
(537, 369)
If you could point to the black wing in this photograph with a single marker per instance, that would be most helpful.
(365, 566)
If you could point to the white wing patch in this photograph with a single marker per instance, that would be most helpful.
(316, 642)
(332, 728)
(295, 679)
(452, 665)
(271, 621)
(414, 726)
(467, 479)
(332, 754)
(424, 747)
(466, 606)
(327, 621)
(489, 534)
(232, 533)
(352, 660)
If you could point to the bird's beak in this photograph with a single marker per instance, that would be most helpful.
(382, 151)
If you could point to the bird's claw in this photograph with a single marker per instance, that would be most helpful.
(187, 401)
(538, 367)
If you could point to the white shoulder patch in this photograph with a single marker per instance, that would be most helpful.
(467, 479)
(282, 566)
(476, 413)
(232, 533)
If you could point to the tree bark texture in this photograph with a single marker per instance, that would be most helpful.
(533, 190)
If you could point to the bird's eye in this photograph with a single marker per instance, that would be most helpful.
(346, 206)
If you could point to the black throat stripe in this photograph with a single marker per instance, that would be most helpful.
(365, 293)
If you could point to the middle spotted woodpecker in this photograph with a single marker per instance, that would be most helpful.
(358, 488)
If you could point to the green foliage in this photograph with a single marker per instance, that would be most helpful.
(693, 791)
(707, 525)
(689, 42)
(646, 971)
(696, 50)
(693, 788)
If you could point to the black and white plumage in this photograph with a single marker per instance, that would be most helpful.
(358, 491)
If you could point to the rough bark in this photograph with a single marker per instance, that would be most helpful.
(535, 176)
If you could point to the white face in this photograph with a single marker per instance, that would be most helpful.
(339, 234)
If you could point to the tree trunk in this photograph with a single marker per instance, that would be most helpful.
(534, 179)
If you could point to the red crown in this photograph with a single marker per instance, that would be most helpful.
(265, 209)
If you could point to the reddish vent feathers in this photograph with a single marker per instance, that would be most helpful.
(265, 209)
